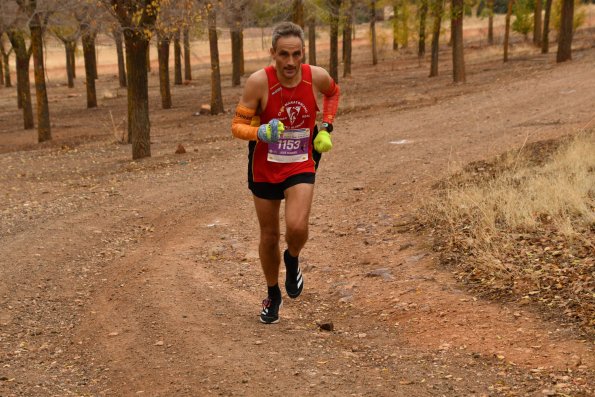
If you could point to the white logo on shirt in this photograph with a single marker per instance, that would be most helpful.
(293, 112)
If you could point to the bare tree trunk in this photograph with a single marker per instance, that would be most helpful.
(88, 54)
(5, 66)
(344, 43)
(507, 29)
(93, 53)
(216, 97)
(73, 60)
(187, 63)
(537, 24)
(491, 22)
(312, 40)
(297, 15)
(458, 59)
(121, 63)
(405, 23)
(148, 55)
(237, 45)
(70, 46)
(373, 31)
(235, 56)
(545, 41)
(177, 59)
(348, 33)
(44, 131)
(163, 57)
(139, 127)
(242, 70)
(423, 12)
(395, 26)
(565, 35)
(23, 85)
(334, 36)
(437, 8)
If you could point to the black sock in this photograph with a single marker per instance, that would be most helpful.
(291, 263)
(274, 291)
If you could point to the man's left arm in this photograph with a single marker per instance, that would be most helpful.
(330, 103)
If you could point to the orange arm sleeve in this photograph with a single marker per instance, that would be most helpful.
(330, 102)
(241, 124)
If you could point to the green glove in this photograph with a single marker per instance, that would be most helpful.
(322, 142)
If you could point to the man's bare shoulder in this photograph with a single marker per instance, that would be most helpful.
(255, 89)
(257, 79)
(320, 77)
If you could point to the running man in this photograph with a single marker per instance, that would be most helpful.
(277, 115)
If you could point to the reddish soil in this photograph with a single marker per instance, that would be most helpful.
(123, 277)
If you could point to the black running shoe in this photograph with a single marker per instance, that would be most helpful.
(294, 281)
(270, 310)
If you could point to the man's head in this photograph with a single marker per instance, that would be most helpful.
(288, 49)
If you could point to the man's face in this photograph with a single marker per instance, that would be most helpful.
(288, 56)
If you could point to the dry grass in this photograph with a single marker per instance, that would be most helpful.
(523, 227)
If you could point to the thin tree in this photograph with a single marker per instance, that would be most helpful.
(437, 10)
(545, 43)
(148, 55)
(334, 7)
(1, 68)
(297, 12)
(404, 17)
(216, 97)
(458, 60)
(117, 35)
(69, 42)
(490, 5)
(137, 18)
(507, 29)
(235, 19)
(5, 64)
(89, 18)
(177, 58)
(537, 24)
(423, 12)
(373, 32)
(36, 27)
(186, 45)
(298, 17)
(167, 28)
(236, 57)
(88, 39)
(242, 59)
(395, 25)
(312, 38)
(348, 37)
(23, 55)
(565, 34)
(163, 42)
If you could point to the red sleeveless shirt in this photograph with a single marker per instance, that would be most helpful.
(296, 108)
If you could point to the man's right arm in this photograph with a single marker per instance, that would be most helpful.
(241, 125)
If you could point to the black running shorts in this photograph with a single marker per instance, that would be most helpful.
(276, 191)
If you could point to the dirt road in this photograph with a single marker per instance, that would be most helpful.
(123, 278)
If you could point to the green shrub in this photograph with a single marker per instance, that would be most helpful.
(523, 12)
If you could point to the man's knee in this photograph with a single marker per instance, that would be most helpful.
(269, 238)
(297, 231)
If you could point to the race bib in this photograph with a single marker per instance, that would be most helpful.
(291, 148)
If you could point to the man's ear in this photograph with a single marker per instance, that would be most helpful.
(272, 51)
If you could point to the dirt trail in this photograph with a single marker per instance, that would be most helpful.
(142, 278)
